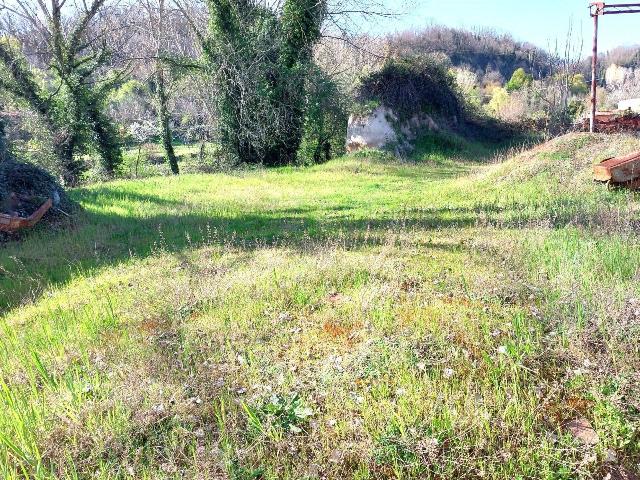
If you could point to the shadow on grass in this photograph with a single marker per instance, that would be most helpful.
(95, 240)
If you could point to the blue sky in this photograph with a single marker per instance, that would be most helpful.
(541, 22)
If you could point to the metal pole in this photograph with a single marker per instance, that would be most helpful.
(594, 72)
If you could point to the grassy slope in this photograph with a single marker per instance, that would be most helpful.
(359, 319)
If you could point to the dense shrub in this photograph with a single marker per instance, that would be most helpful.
(412, 85)
(578, 85)
(519, 80)
(325, 121)
(24, 187)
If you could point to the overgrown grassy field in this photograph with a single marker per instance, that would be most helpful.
(363, 319)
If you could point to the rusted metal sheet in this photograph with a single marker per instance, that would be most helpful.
(618, 170)
(12, 223)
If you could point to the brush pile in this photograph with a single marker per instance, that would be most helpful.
(24, 187)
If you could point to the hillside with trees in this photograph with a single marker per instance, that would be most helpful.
(490, 55)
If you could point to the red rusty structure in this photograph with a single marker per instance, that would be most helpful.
(622, 171)
(614, 122)
(13, 223)
(597, 10)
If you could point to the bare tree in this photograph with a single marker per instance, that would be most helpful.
(156, 19)
(70, 38)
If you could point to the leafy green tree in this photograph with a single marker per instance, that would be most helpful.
(164, 118)
(261, 62)
(578, 85)
(77, 59)
(74, 104)
(325, 120)
(519, 80)
(499, 99)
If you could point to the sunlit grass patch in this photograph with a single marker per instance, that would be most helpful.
(362, 319)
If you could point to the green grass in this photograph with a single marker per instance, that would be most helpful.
(366, 318)
(149, 160)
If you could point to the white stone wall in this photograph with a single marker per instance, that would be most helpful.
(372, 131)
(377, 130)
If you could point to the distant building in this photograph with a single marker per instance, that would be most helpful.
(632, 104)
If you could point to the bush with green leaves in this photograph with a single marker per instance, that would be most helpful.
(519, 80)
(281, 414)
(24, 187)
(578, 85)
(325, 121)
(411, 86)
(499, 99)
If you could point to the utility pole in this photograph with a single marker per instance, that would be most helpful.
(598, 9)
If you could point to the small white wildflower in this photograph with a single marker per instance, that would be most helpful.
(502, 350)
(401, 391)
(448, 372)
(303, 412)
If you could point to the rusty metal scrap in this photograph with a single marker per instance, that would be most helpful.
(613, 122)
(13, 223)
(598, 9)
(622, 171)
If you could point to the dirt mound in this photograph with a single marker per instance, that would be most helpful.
(567, 160)
(24, 187)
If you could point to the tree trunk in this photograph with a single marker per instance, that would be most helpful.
(163, 120)
(4, 150)
(106, 135)
(64, 147)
